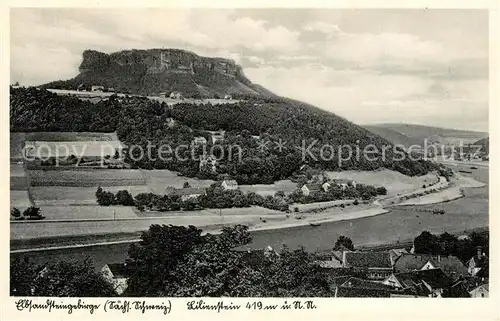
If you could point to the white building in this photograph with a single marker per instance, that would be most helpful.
(97, 88)
(176, 95)
(117, 274)
(229, 184)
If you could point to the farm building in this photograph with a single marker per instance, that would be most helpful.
(176, 95)
(308, 189)
(229, 184)
(185, 193)
(228, 97)
(97, 88)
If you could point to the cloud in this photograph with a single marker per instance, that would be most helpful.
(366, 65)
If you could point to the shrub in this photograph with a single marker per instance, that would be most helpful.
(356, 202)
(15, 212)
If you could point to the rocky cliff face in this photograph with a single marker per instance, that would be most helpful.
(155, 71)
(158, 61)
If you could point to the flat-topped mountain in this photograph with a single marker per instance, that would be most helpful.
(155, 71)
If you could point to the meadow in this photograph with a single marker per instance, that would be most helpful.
(20, 199)
(158, 179)
(86, 212)
(86, 178)
(394, 182)
(59, 195)
(16, 146)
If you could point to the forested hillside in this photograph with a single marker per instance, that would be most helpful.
(278, 121)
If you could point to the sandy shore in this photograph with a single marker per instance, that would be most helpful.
(452, 192)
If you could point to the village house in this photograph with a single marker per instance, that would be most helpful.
(450, 265)
(256, 257)
(308, 189)
(344, 183)
(176, 95)
(396, 253)
(353, 287)
(430, 283)
(117, 274)
(200, 140)
(185, 193)
(97, 88)
(208, 162)
(481, 291)
(163, 95)
(477, 262)
(81, 87)
(229, 184)
(217, 136)
(170, 122)
(376, 265)
(228, 97)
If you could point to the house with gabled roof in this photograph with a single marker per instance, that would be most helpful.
(229, 184)
(477, 262)
(117, 274)
(186, 192)
(356, 287)
(450, 265)
(376, 265)
(481, 291)
(431, 282)
(308, 189)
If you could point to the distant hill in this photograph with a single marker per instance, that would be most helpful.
(393, 136)
(416, 134)
(154, 71)
(485, 144)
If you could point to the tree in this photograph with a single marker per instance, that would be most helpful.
(381, 190)
(427, 243)
(186, 185)
(32, 212)
(343, 241)
(61, 279)
(15, 212)
(154, 259)
(279, 194)
(123, 197)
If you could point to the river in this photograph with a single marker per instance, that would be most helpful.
(467, 213)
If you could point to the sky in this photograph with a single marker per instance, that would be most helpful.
(427, 67)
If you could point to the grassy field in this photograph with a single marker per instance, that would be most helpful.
(395, 182)
(86, 212)
(16, 145)
(158, 179)
(70, 136)
(59, 195)
(20, 199)
(44, 149)
(86, 178)
(269, 189)
(17, 170)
